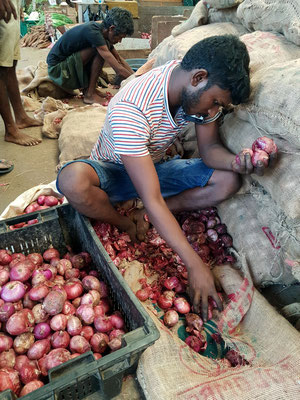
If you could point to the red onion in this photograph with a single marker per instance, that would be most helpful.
(165, 302)
(73, 290)
(235, 358)
(6, 310)
(171, 282)
(220, 229)
(260, 155)
(18, 305)
(13, 291)
(117, 320)
(78, 261)
(6, 342)
(143, 294)
(54, 302)
(9, 379)
(35, 258)
(74, 325)
(171, 318)
(97, 356)
(31, 207)
(60, 339)
(68, 308)
(31, 387)
(87, 332)
(212, 235)
(50, 253)
(194, 321)
(116, 333)
(40, 315)
(41, 330)
(72, 273)
(78, 344)
(4, 276)
(50, 201)
(86, 313)
(7, 359)
(20, 322)
(91, 282)
(41, 200)
(226, 240)
(39, 349)
(58, 322)
(54, 261)
(38, 292)
(5, 257)
(27, 302)
(56, 357)
(194, 342)
(211, 223)
(266, 144)
(99, 342)
(76, 302)
(29, 372)
(63, 265)
(181, 305)
(103, 289)
(180, 288)
(115, 344)
(95, 273)
(103, 324)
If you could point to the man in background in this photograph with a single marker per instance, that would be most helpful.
(77, 59)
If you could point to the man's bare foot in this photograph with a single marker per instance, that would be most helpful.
(93, 99)
(142, 226)
(27, 122)
(21, 138)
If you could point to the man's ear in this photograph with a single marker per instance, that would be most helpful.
(199, 76)
(112, 28)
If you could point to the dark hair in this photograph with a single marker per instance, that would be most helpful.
(121, 19)
(226, 60)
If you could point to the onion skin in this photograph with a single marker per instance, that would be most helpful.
(59, 322)
(5, 257)
(31, 387)
(20, 322)
(171, 318)
(38, 292)
(260, 155)
(6, 311)
(74, 325)
(23, 342)
(56, 357)
(87, 332)
(99, 342)
(194, 342)
(86, 313)
(78, 344)
(115, 344)
(60, 340)
(13, 291)
(181, 305)
(54, 302)
(35, 258)
(6, 342)
(91, 283)
(29, 372)
(9, 379)
(63, 265)
(68, 308)
(39, 349)
(40, 315)
(7, 359)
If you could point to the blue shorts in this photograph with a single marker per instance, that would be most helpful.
(174, 176)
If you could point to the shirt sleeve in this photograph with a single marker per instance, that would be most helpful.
(95, 37)
(131, 130)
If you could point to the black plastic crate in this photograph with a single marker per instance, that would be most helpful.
(83, 377)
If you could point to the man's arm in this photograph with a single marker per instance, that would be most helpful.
(216, 156)
(144, 177)
(6, 9)
(106, 54)
(121, 60)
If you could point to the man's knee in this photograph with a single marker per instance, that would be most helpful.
(226, 184)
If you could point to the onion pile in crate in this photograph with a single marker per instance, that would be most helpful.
(209, 238)
(42, 203)
(52, 309)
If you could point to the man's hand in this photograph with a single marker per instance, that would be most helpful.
(202, 286)
(242, 163)
(6, 9)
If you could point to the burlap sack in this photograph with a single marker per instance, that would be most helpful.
(268, 48)
(224, 15)
(272, 15)
(174, 48)
(170, 370)
(220, 4)
(79, 132)
(274, 101)
(283, 180)
(53, 123)
(252, 236)
(197, 18)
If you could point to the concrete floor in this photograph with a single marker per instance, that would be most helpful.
(33, 165)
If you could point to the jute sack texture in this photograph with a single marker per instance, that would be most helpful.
(170, 370)
(174, 48)
(79, 131)
(281, 16)
(252, 237)
(220, 4)
(269, 48)
(224, 15)
(274, 101)
(283, 180)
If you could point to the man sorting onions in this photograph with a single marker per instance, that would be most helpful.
(77, 58)
(142, 122)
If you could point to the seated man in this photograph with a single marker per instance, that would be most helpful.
(77, 59)
(142, 122)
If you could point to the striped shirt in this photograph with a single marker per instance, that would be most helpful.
(138, 120)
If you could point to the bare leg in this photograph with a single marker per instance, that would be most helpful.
(90, 94)
(9, 90)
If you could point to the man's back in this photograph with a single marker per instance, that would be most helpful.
(78, 38)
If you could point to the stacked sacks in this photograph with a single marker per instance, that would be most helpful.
(174, 48)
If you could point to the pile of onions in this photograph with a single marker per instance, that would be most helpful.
(52, 309)
(209, 238)
(42, 202)
(261, 150)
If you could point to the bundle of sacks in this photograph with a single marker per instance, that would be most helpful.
(264, 218)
